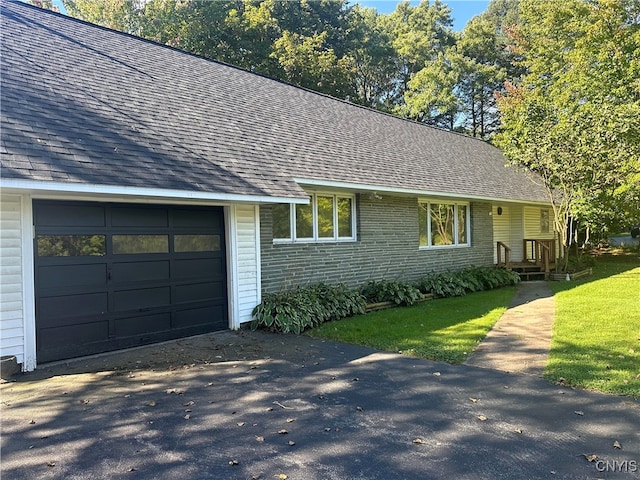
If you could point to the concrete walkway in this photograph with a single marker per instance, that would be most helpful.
(519, 341)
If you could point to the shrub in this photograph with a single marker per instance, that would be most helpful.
(474, 279)
(400, 293)
(296, 310)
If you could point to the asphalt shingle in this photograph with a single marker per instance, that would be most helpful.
(84, 104)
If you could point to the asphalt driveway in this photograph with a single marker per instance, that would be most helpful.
(252, 405)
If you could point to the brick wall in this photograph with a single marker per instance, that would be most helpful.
(387, 247)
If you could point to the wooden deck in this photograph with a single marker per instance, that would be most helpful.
(540, 255)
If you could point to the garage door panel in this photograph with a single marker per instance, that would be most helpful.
(200, 316)
(139, 217)
(140, 271)
(194, 292)
(198, 268)
(142, 324)
(136, 299)
(50, 308)
(206, 219)
(80, 334)
(63, 276)
(70, 215)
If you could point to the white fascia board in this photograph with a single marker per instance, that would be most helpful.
(355, 187)
(80, 189)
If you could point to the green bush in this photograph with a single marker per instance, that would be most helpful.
(296, 310)
(400, 293)
(473, 279)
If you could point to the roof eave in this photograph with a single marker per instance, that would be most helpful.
(358, 187)
(36, 187)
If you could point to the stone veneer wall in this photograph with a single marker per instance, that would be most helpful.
(387, 248)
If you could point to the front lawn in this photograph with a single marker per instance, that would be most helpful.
(596, 333)
(446, 329)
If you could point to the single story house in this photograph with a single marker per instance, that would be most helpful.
(149, 194)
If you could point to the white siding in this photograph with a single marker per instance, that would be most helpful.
(12, 329)
(532, 226)
(501, 229)
(248, 251)
(517, 233)
(532, 223)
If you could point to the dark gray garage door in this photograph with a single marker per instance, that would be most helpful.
(110, 276)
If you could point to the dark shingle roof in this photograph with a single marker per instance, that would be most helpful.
(84, 104)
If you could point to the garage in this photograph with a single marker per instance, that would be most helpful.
(110, 276)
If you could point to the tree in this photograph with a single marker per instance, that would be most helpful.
(370, 72)
(573, 116)
(418, 34)
(456, 90)
(123, 15)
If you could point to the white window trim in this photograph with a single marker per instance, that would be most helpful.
(456, 204)
(314, 213)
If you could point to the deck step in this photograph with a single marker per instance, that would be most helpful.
(526, 276)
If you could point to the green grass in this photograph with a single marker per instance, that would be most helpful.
(596, 333)
(445, 329)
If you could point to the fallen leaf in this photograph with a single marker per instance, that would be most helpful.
(51, 464)
(260, 439)
(209, 384)
(616, 444)
(151, 403)
(187, 416)
(591, 457)
(327, 429)
(282, 476)
(32, 422)
(256, 476)
(474, 400)
(84, 402)
(189, 404)
(436, 374)
(240, 424)
(132, 469)
(291, 443)
(518, 430)
(289, 420)
(359, 408)
(579, 412)
(282, 432)
(482, 418)
(356, 379)
(233, 462)
(417, 441)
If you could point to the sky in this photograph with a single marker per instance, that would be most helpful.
(461, 10)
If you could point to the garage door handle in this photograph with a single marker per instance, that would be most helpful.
(108, 275)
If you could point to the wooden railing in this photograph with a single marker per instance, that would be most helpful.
(507, 255)
(543, 253)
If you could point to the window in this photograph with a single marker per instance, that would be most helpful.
(124, 244)
(71, 245)
(443, 224)
(327, 217)
(196, 243)
(544, 221)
